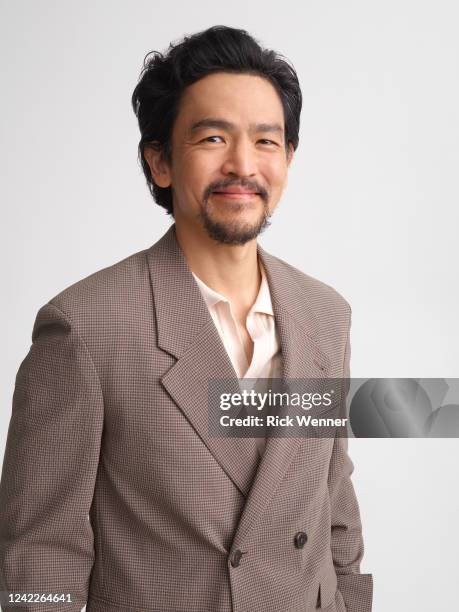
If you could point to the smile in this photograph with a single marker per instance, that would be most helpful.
(234, 196)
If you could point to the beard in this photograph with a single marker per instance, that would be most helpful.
(233, 232)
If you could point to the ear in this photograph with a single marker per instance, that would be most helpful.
(159, 168)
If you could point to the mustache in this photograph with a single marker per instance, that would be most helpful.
(244, 184)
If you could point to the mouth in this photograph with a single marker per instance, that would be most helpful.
(239, 195)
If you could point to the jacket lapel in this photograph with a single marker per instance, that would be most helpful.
(186, 330)
(302, 357)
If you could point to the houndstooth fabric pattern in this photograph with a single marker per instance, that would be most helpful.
(112, 488)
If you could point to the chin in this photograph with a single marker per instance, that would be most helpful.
(234, 232)
(240, 213)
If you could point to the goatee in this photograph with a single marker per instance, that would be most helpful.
(233, 232)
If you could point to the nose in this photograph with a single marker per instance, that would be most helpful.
(240, 159)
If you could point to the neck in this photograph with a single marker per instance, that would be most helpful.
(231, 270)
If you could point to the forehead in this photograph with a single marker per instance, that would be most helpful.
(239, 98)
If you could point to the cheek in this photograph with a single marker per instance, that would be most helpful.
(197, 171)
(191, 179)
(276, 174)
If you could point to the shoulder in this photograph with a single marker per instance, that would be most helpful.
(104, 293)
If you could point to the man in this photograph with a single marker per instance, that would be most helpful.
(113, 489)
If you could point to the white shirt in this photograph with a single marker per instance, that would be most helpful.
(261, 326)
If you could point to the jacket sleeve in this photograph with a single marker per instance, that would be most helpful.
(49, 468)
(346, 528)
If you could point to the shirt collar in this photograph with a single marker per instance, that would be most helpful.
(262, 303)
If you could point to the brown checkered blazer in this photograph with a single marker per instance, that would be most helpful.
(113, 490)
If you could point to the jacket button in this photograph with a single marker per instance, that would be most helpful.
(236, 558)
(300, 539)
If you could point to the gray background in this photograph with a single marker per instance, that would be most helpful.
(371, 208)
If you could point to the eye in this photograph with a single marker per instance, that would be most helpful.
(269, 141)
(208, 139)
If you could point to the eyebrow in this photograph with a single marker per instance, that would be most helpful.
(223, 124)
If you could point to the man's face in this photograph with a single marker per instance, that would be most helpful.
(229, 163)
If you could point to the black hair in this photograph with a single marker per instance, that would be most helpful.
(164, 77)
